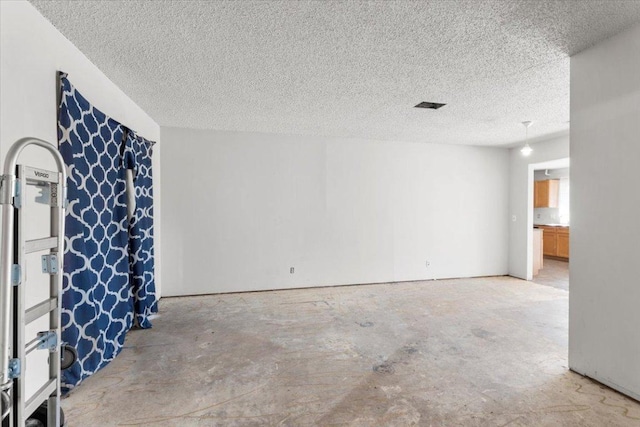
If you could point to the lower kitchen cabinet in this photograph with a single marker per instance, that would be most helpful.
(555, 241)
(550, 242)
(563, 244)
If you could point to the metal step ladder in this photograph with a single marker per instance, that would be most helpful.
(14, 315)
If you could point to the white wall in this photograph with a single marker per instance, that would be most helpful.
(521, 201)
(32, 52)
(604, 308)
(542, 174)
(240, 209)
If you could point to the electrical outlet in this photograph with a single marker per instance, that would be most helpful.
(538, 216)
(427, 264)
(513, 218)
(292, 270)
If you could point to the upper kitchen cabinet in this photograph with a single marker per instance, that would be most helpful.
(545, 193)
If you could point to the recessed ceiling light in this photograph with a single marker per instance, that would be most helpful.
(431, 105)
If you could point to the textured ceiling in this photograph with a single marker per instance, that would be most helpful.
(346, 68)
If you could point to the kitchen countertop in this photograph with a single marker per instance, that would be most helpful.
(551, 225)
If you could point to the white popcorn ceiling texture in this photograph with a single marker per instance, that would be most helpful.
(346, 68)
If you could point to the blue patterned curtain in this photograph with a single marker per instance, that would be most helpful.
(98, 302)
(137, 157)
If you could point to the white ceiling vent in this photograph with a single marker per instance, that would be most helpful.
(430, 105)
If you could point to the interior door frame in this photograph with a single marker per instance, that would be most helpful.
(551, 164)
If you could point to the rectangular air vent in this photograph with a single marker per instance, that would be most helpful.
(432, 105)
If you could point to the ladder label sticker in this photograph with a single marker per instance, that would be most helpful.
(39, 175)
(54, 195)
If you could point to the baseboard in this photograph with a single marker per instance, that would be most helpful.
(633, 395)
(557, 258)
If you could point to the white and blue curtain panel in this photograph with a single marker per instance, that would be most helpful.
(137, 157)
(108, 281)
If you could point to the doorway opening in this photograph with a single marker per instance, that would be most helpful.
(550, 215)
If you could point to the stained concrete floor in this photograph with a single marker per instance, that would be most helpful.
(466, 352)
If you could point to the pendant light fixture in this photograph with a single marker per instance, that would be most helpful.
(526, 150)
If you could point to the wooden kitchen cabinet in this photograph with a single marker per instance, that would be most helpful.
(562, 249)
(550, 241)
(555, 241)
(545, 193)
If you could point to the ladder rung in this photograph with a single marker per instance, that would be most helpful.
(36, 245)
(40, 396)
(40, 310)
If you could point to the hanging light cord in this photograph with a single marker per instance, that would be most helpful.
(526, 150)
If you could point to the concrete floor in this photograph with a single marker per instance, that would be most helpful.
(466, 352)
(554, 273)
